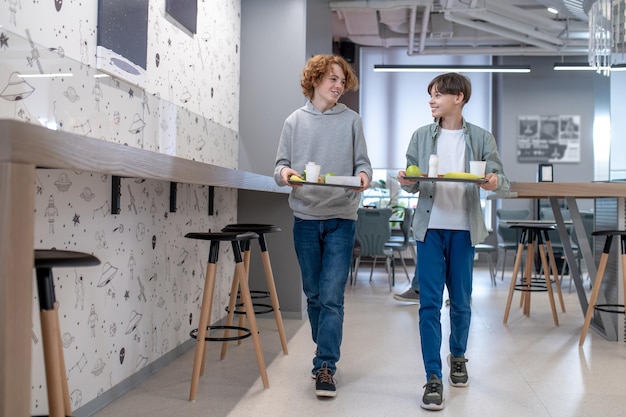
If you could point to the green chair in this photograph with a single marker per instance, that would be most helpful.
(373, 230)
(400, 244)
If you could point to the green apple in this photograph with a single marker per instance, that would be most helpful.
(413, 171)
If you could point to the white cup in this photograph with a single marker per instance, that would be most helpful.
(478, 168)
(312, 172)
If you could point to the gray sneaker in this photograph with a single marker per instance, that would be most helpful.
(409, 296)
(433, 394)
(458, 371)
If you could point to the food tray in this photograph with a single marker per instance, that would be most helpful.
(319, 184)
(442, 179)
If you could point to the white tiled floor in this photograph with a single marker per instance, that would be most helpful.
(526, 368)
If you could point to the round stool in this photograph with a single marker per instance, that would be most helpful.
(488, 250)
(207, 300)
(260, 308)
(597, 284)
(56, 379)
(534, 236)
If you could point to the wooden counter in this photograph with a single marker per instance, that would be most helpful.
(23, 149)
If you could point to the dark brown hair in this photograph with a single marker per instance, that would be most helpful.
(452, 83)
(320, 65)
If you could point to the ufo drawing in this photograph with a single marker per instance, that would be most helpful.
(137, 125)
(98, 367)
(63, 183)
(108, 273)
(17, 89)
(135, 318)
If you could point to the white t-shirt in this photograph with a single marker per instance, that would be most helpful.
(450, 210)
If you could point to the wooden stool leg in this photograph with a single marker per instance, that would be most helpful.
(516, 267)
(597, 284)
(205, 319)
(555, 273)
(54, 379)
(271, 285)
(232, 301)
(67, 405)
(246, 264)
(546, 274)
(247, 301)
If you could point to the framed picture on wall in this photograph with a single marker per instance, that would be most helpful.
(548, 138)
(122, 39)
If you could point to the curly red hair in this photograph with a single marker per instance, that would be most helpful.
(320, 65)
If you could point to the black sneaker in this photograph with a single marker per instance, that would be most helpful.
(325, 385)
(433, 394)
(458, 371)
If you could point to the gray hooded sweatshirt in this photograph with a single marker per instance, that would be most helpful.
(335, 141)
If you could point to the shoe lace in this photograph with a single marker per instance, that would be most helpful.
(458, 365)
(325, 377)
(432, 387)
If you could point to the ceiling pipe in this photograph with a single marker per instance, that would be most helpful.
(377, 4)
(486, 27)
(423, 32)
(514, 25)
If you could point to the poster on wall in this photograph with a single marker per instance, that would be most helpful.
(123, 39)
(553, 139)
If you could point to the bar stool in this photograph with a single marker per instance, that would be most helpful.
(534, 236)
(488, 250)
(56, 379)
(609, 308)
(261, 230)
(201, 334)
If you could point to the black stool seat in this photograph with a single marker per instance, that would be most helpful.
(48, 258)
(252, 227)
(597, 284)
(45, 259)
(222, 236)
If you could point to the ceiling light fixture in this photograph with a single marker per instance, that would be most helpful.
(58, 74)
(553, 10)
(452, 68)
(586, 67)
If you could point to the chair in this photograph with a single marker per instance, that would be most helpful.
(484, 248)
(400, 244)
(56, 380)
(260, 308)
(597, 285)
(509, 237)
(201, 334)
(372, 232)
(534, 238)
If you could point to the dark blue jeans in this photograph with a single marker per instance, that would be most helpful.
(324, 250)
(445, 257)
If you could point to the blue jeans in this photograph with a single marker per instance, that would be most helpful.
(324, 250)
(445, 257)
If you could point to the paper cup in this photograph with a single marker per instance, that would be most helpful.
(478, 168)
(312, 172)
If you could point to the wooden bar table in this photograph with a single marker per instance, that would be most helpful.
(571, 191)
(24, 148)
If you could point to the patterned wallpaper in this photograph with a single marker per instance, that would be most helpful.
(144, 298)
